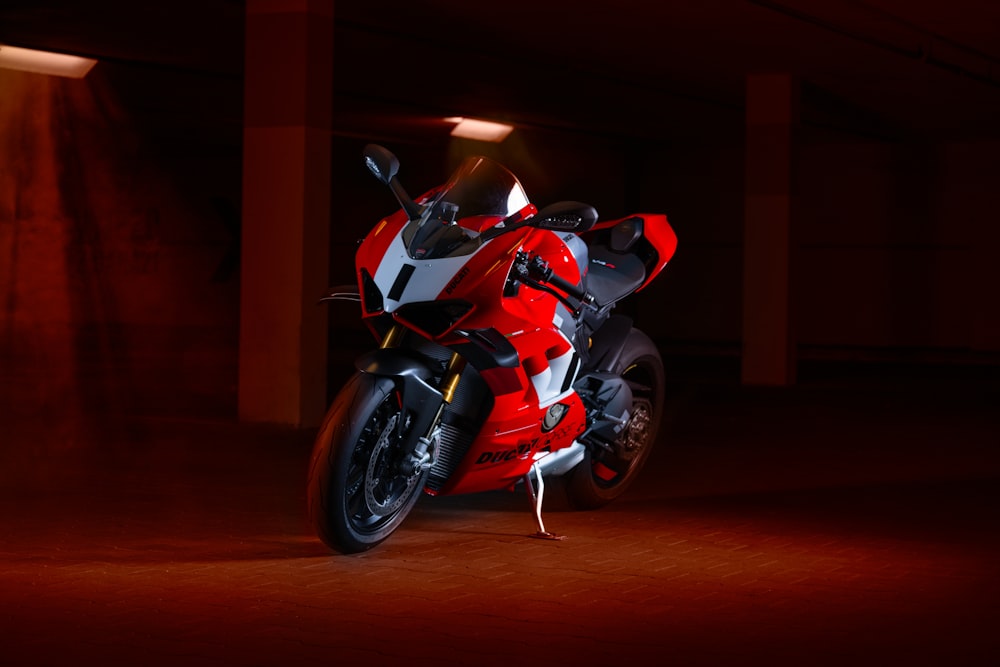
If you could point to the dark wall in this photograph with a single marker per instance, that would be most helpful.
(119, 234)
(895, 240)
(117, 248)
(893, 246)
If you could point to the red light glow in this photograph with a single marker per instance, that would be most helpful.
(481, 130)
(44, 62)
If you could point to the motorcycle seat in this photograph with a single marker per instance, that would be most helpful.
(613, 275)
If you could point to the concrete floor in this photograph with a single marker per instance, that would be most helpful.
(850, 520)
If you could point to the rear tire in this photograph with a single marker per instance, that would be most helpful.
(357, 494)
(602, 476)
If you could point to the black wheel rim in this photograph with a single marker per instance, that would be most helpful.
(612, 468)
(376, 491)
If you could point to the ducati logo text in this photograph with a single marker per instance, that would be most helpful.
(456, 280)
(504, 454)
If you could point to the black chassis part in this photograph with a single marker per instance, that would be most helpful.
(411, 373)
(608, 343)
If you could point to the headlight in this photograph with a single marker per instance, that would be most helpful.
(434, 317)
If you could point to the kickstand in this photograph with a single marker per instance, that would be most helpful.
(536, 504)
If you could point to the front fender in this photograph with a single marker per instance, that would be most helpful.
(411, 374)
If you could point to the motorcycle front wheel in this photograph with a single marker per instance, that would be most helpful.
(358, 494)
(603, 475)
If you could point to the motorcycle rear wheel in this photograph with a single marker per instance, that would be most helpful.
(358, 496)
(603, 476)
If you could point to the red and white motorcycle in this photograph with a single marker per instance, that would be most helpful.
(499, 359)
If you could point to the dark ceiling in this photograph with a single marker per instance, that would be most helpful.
(666, 70)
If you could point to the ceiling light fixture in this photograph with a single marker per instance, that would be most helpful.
(481, 130)
(44, 62)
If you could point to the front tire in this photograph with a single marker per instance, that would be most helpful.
(602, 476)
(358, 495)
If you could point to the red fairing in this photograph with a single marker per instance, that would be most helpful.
(483, 284)
(509, 441)
(661, 235)
(503, 452)
(503, 458)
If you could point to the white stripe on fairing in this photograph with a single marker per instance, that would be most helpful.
(430, 276)
(548, 383)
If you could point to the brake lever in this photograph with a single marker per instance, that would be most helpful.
(536, 270)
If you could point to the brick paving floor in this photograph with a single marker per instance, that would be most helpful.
(836, 523)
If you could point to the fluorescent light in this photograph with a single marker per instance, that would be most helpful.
(482, 130)
(44, 62)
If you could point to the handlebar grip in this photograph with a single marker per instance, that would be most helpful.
(570, 288)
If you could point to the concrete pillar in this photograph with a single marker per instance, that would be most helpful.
(288, 100)
(769, 346)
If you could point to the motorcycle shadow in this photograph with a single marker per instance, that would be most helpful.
(496, 513)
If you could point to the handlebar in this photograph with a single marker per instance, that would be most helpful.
(539, 269)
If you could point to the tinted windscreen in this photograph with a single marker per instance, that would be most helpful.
(478, 195)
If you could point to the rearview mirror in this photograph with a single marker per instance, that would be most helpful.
(381, 162)
(566, 216)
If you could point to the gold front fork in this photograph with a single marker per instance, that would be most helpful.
(392, 337)
(452, 374)
(422, 458)
(451, 377)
